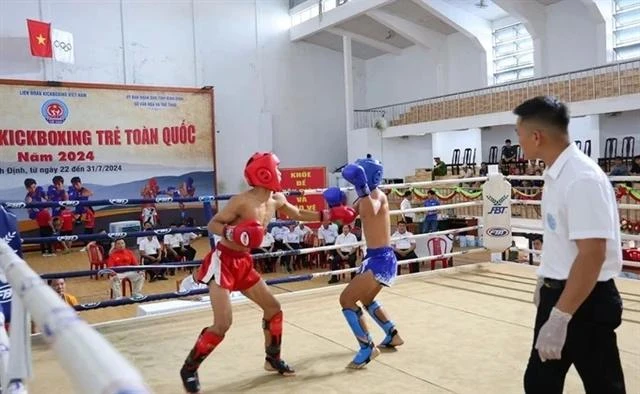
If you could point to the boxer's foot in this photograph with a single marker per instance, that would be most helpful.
(190, 381)
(272, 364)
(364, 356)
(391, 341)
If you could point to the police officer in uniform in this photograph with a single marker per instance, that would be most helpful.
(579, 306)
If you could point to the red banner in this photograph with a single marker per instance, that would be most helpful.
(305, 178)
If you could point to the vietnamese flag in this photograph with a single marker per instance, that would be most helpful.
(40, 38)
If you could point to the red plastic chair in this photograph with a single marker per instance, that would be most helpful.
(96, 257)
(124, 283)
(436, 247)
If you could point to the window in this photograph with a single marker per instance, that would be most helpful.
(512, 54)
(313, 10)
(626, 29)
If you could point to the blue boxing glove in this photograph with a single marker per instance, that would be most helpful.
(334, 197)
(355, 175)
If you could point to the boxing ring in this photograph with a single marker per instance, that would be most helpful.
(467, 329)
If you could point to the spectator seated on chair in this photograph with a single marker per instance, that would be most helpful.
(173, 242)
(484, 169)
(152, 254)
(430, 223)
(187, 238)
(327, 234)
(344, 254)
(509, 153)
(120, 256)
(619, 168)
(59, 286)
(404, 247)
(267, 245)
(291, 241)
(537, 245)
(304, 232)
(440, 168)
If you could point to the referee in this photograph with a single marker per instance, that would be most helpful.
(579, 306)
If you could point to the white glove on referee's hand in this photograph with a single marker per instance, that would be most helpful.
(553, 335)
(536, 292)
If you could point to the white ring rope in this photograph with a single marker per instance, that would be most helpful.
(93, 365)
(404, 262)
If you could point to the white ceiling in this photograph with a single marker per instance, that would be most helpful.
(412, 12)
(490, 12)
(548, 2)
(332, 41)
(409, 10)
(365, 26)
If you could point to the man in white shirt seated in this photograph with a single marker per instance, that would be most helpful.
(346, 253)
(406, 204)
(278, 233)
(327, 234)
(303, 231)
(536, 245)
(151, 254)
(291, 242)
(267, 245)
(173, 242)
(404, 247)
(187, 238)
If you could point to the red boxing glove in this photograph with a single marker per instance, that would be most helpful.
(341, 213)
(248, 234)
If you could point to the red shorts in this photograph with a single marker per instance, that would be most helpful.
(231, 269)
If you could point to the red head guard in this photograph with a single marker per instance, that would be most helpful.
(262, 170)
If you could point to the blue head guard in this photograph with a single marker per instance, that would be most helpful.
(373, 169)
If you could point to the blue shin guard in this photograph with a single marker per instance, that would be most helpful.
(364, 339)
(388, 327)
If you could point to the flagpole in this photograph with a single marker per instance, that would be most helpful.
(124, 48)
(44, 65)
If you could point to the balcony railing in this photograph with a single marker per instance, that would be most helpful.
(594, 83)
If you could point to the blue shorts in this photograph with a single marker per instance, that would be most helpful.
(382, 263)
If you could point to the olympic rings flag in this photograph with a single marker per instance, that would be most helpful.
(129, 141)
(63, 50)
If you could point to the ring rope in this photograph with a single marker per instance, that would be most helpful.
(270, 282)
(210, 198)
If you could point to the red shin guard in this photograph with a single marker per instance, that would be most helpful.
(206, 342)
(274, 326)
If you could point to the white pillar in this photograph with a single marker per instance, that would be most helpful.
(348, 81)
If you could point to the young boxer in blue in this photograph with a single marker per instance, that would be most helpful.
(379, 266)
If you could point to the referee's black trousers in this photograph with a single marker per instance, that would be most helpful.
(591, 345)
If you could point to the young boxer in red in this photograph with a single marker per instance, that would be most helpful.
(230, 267)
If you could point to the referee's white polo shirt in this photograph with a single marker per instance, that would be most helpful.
(578, 202)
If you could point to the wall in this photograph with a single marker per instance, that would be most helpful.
(270, 93)
(570, 46)
(455, 65)
(622, 125)
(410, 76)
(400, 156)
(445, 142)
(467, 67)
(586, 128)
